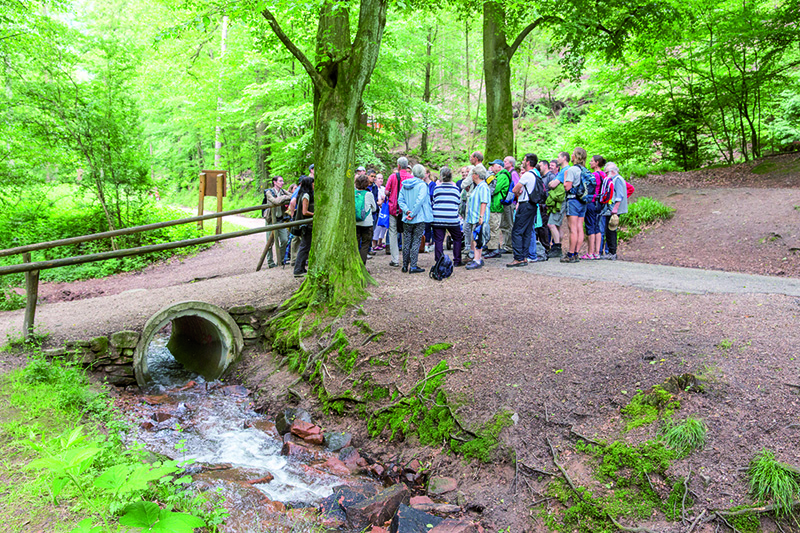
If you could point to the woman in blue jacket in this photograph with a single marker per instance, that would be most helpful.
(414, 202)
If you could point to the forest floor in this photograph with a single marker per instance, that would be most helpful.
(565, 353)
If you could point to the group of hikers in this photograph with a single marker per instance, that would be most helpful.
(530, 213)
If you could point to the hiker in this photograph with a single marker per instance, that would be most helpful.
(379, 232)
(543, 232)
(576, 209)
(617, 207)
(305, 209)
(593, 209)
(477, 212)
(414, 205)
(499, 181)
(556, 218)
(446, 198)
(393, 186)
(527, 190)
(366, 207)
(276, 198)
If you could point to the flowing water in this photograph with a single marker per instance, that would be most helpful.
(214, 426)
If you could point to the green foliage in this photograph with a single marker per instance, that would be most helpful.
(646, 407)
(87, 466)
(626, 472)
(436, 348)
(773, 481)
(641, 213)
(482, 448)
(686, 436)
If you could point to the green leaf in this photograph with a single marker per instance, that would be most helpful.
(140, 514)
(85, 526)
(149, 517)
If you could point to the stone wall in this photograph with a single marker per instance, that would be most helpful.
(111, 357)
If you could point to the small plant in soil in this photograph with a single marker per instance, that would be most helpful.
(686, 436)
(436, 348)
(773, 481)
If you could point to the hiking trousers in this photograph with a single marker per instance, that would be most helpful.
(523, 228)
(412, 238)
(456, 235)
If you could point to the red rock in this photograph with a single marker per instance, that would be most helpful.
(335, 467)
(188, 386)
(155, 400)
(379, 508)
(161, 416)
(453, 526)
(147, 425)
(377, 469)
(304, 429)
(413, 466)
(314, 439)
(416, 500)
(377, 529)
(272, 507)
(266, 479)
(437, 508)
(298, 451)
(442, 485)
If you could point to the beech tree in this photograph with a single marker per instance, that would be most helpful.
(580, 28)
(339, 73)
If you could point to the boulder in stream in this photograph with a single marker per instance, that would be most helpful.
(379, 508)
(283, 422)
(409, 520)
(336, 440)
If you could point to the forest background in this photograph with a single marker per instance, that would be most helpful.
(109, 104)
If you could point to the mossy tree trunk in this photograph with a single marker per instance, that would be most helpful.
(342, 69)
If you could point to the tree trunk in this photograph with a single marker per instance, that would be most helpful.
(337, 276)
(218, 136)
(261, 160)
(469, 92)
(497, 72)
(426, 93)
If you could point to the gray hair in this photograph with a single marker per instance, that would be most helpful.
(418, 171)
(511, 158)
(479, 171)
(612, 167)
(402, 162)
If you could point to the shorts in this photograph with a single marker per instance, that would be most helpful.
(556, 219)
(575, 208)
(593, 218)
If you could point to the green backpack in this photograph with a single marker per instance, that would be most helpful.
(361, 209)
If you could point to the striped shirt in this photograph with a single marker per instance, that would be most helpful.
(446, 199)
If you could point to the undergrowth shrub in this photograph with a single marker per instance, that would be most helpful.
(641, 213)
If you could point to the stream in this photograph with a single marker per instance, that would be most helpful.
(227, 446)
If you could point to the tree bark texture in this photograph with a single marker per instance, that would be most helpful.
(342, 69)
(497, 73)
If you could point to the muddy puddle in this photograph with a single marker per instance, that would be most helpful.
(230, 449)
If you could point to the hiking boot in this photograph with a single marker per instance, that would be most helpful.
(405, 269)
(393, 264)
(474, 265)
(492, 254)
(516, 263)
(555, 251)
(610, 257)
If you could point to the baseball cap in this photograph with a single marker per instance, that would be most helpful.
(311, 166)
(496, 162)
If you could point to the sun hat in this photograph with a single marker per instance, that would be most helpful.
(613, 222)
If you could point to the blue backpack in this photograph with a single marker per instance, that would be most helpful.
(442, 269)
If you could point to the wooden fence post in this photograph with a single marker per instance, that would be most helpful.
(31, 295)
(202, 199)
(220, 185)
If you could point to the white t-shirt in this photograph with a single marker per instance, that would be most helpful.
(528, 181)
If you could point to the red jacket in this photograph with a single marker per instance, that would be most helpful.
(393, 188)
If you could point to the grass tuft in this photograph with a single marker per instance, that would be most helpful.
(772, 480)
(642, 213)
(687, 436)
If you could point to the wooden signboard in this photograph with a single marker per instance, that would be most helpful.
(212, 183)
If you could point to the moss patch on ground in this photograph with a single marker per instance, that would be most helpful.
(647, 407)
(436, 348)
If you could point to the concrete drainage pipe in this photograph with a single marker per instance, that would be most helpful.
(205, 340)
